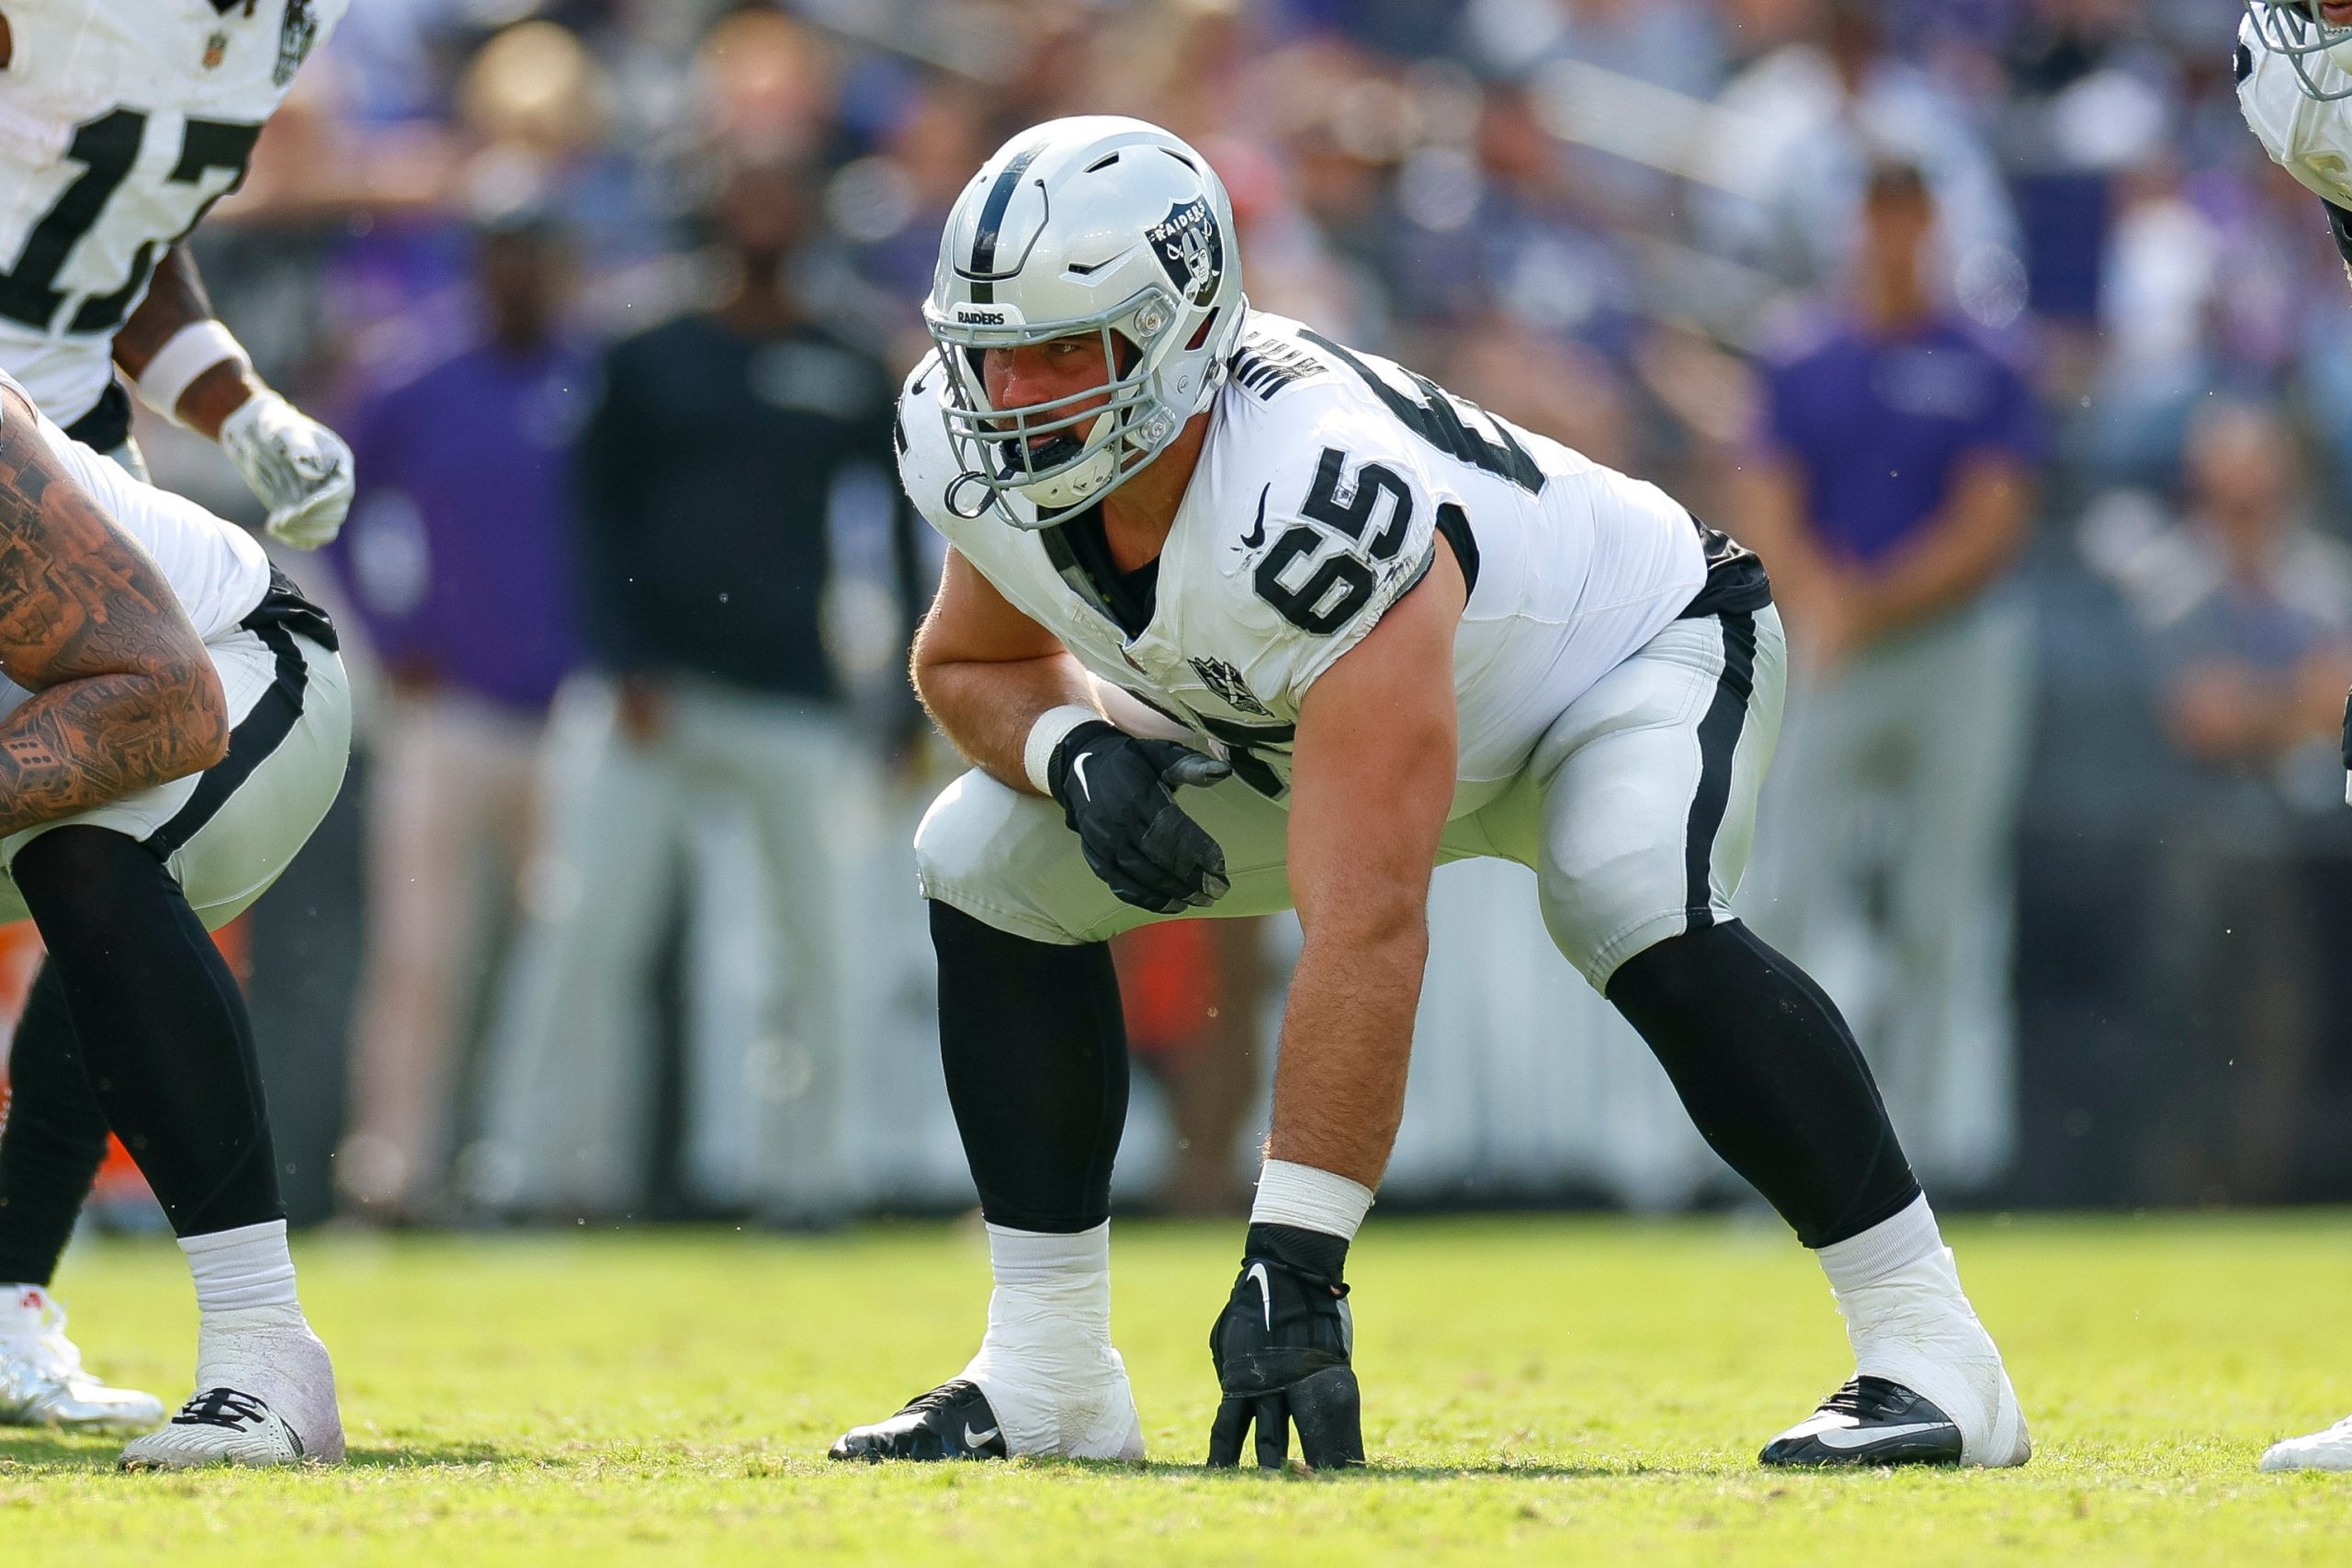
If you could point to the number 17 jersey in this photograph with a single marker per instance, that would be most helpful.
(122, 122)
(1328, 481)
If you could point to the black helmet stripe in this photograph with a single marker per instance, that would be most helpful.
(983, 268)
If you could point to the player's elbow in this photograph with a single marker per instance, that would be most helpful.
(935, 682)
(191, 690)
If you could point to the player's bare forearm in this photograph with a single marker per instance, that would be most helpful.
(176, 299)
(1371, 780)
(90, 742)
(1347, 1041)
(124, 695)
(986, 672)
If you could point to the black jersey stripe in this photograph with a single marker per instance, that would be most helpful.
(1719, 733)
(983, 268)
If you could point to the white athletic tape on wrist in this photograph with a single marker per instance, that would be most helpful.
(1292, 1194)
(1053, 727)
(191, 351)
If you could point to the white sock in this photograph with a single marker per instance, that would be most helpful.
(1047, 1364)
(1894, 1243)
(1301, 1195)
(246, 1273)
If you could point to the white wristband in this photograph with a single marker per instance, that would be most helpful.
(1053, 727)
(1294, 1194)
(191, 351)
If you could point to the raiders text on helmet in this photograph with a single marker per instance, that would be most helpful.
(1095, 224)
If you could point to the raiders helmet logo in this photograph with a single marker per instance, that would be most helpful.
(1226, 683)
(1190, 248)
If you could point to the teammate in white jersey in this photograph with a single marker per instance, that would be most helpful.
(2294, 72)
(121, 124)
(173, 723)
(1235, 619)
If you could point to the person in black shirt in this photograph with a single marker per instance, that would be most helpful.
(735, 471)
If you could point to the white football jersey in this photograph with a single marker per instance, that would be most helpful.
(122, 122)
(1325, 481)
(2309, 138)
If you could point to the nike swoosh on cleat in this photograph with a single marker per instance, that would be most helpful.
(1849, 1439)
(1265, 1293)
(1257, 534)
(974, 1439)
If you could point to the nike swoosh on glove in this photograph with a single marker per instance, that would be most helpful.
(1117, 795)
(297, 467)
(1282, 1348)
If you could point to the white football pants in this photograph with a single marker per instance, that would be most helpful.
(1636, 810)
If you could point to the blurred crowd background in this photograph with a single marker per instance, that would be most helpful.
(1985, 320)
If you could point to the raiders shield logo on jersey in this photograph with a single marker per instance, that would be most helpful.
(1189, 247)
(1226, 683)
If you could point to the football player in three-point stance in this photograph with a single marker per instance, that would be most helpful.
(2294, 70)
(1236, 618)
(120, 125)
(173, 723)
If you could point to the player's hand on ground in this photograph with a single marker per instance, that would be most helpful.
(1282, 1348)
(1118, 793)
(299, 469)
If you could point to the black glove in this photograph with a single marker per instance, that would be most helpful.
(1115, 793)
(1281, 1347)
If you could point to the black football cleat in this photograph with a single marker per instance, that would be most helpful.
(953, 1421)
(1870, 1421)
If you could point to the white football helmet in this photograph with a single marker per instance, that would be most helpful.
(1091, 224)
(2296, 29)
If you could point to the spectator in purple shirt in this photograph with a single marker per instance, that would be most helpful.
(1893, 488)
(456, 559)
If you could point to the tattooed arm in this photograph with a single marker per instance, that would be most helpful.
(124, 693)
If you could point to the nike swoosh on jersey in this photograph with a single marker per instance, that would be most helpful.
(1265, 1292)
(1257, 534)
(1851, 1437)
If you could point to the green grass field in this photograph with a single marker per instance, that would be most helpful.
(1572, 1390)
